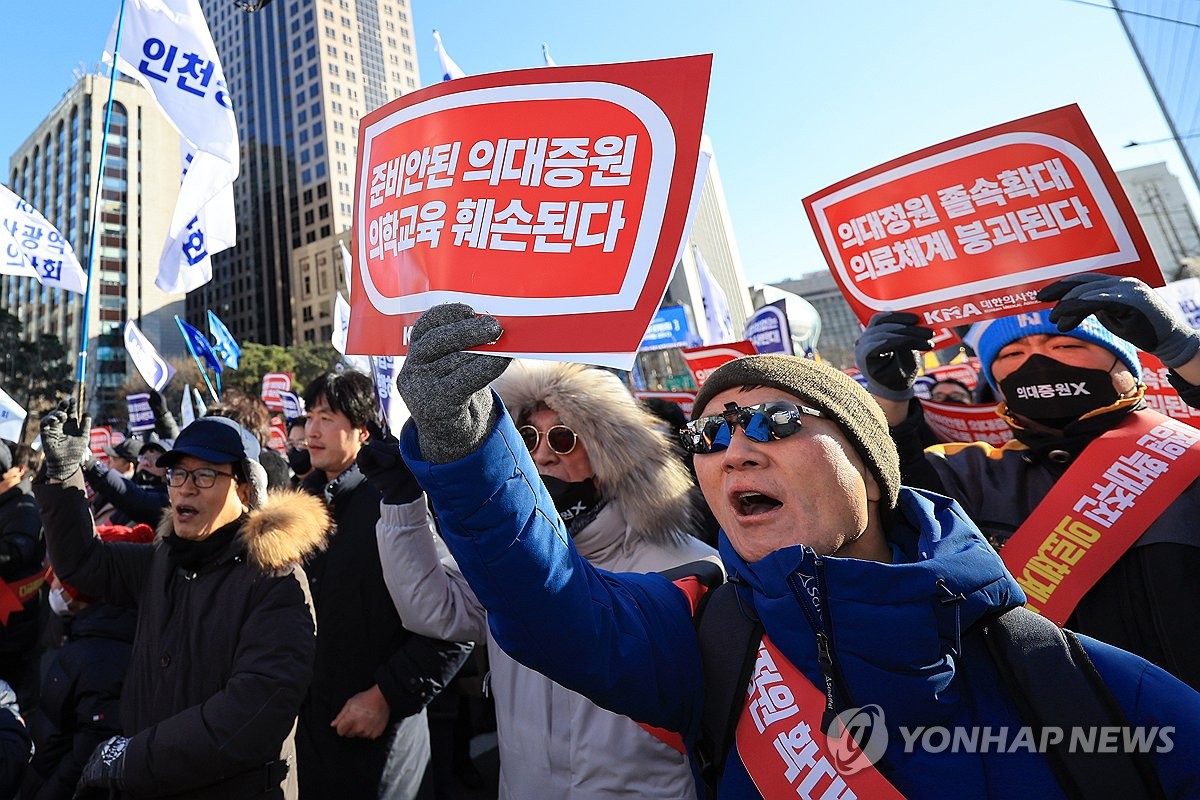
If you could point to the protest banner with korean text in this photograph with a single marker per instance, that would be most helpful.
(972, 228)
(1161, 395)
(768, 329)
(272, 384)
(100, 437)
(954, 422)
(703, 361)
(553, 198)
(684, 400)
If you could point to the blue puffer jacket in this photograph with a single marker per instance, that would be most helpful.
(895, 642)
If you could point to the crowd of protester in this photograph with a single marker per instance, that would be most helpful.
(197, 615)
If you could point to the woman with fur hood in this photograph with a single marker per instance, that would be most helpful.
(627, 503)
(224, 645)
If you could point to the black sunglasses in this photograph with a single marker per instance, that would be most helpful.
(761, 423)
(560, 438)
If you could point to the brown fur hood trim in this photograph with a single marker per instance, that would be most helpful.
(289, 528)
(634, 461)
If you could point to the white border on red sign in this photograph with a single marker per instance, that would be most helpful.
(1126, 252)
(662, 138)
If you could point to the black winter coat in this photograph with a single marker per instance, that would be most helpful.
(80, 701)
(361, 642)
(21, 552)
(1146, 603)
(222, 655)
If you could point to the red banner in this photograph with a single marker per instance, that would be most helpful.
(278, 440)
(702, 361)
(952, 422)
(1099, 508)
(963, 373)
(972, 228)
(554, 199)
(272, 384)
(1161, 395)
(684, 400)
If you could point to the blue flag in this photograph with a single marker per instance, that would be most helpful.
(226, 345)
(198, 346)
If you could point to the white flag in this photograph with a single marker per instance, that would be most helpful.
(32, 247)
(12, 417)
(201, 409)
(347, 265)
(186, 412)
(174, 57)
(341, 324)
(450, 70)
(719, 322)
(153, 368)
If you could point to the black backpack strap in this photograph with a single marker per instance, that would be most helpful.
(1053, 683)
(729, 636)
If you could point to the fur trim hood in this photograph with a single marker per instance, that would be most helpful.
(289, 528)
(631, 454)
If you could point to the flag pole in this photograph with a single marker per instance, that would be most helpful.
(81, 361)
(203, 372)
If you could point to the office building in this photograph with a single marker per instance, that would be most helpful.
(301, 74)
(1165, 215)
(56, 170)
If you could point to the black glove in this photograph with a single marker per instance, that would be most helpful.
(105, 767)
(164, 421)
(66, 441)
(885, 354)
(446, 389)
(380, 463)
(1128, 308)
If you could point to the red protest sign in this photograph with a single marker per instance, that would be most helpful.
(272, 384)
(703, 360)
(1161, 395)
(684, 400)
(972, 228)
(963, 373)
(553, 198)
(278, 438)
(952, 422)
(101, 437)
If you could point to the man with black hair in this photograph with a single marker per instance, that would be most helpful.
(363, 731)
(298, 458)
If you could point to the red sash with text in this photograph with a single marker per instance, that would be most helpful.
(14, 595)
(1106, 500)
(780, 741)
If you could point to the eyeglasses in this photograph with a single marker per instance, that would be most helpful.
(957, 396)
(203, 477)
(560, 438)
(761, 423)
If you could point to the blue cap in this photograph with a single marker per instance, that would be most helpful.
(218, 440)
(988, 338)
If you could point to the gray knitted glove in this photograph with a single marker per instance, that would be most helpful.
(65, 440)
(1127, 307)
(885, 354)
(446, 389)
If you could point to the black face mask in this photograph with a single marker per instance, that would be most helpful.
(1055, 394)
(576, 501)
(299, 460)
(144, 478)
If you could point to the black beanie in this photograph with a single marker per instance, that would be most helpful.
(833, 392)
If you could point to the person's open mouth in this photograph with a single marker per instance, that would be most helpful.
(184, 512)
(753, 503)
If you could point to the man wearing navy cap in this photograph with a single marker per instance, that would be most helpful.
(224, 648)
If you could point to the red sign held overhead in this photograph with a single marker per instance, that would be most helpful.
(972, 228)
(554, 199)
(101, 437)
(273, 383)
(703, 361)
(685, 400)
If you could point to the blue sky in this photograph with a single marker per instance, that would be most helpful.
(803, 94)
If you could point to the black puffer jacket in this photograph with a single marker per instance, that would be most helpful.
(80, 702)
(222, 655)
(21, 552)
(1147, 602)
(361, 642)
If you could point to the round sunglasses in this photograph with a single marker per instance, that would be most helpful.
(761, 423)
(559, 438)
